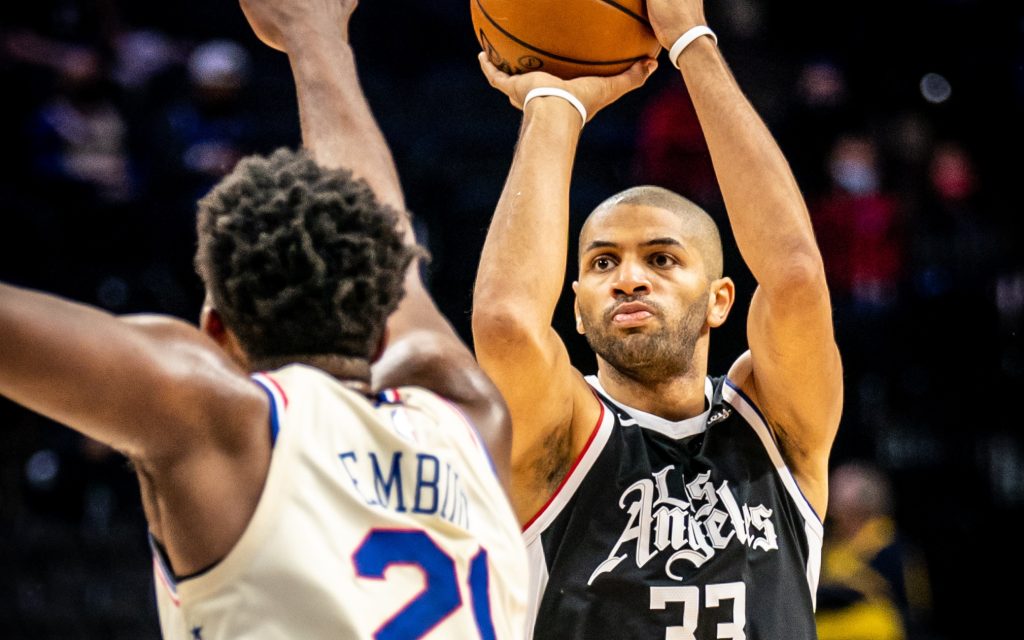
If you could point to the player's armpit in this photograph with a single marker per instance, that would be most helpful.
(794, 372)
(553, 409)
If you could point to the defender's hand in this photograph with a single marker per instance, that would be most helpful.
(595, 92)
(278, 22)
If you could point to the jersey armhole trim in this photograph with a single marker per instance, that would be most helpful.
(752, 414)
(814, 532)
(162, 569)
(278, 402)
(572, 480)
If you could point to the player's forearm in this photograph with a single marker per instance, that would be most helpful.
(340, 130)
(766, 209)
(522, 267)
(337, 125)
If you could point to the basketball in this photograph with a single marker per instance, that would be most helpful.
(567, 38)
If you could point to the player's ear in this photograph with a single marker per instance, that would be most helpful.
(211, 322)
(576, 308)
(721, 295)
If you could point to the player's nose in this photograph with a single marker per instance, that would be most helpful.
(632, 280)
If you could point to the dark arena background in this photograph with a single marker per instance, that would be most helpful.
(902, 121)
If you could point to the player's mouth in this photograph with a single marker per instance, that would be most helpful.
(631, 314)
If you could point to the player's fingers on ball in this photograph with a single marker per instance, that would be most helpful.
(634, 77)
(492, 73)
(486, 67)
(638, 73)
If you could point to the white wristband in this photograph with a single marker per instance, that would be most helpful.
(686, 39)
(540, 92)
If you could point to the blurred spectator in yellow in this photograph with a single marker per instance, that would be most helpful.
(873, 586)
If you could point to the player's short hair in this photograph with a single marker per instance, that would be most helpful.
(299, 259)
(705, 231)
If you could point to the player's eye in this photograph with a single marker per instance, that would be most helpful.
(663, 260)
(603, 263)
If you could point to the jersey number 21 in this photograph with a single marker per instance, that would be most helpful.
(441, 595)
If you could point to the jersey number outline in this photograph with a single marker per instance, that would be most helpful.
(689, 597)
(440, 596)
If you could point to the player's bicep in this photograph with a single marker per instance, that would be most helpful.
(796, 368)
(537, 380)
(133, 384)
(180, 392)
(553, 413)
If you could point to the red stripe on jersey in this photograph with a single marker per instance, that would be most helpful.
(158, 569)
(576, 463)
(284, 396)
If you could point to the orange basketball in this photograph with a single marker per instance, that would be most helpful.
(567, 38)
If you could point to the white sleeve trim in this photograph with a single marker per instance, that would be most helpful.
(543, 519)
(813, 529)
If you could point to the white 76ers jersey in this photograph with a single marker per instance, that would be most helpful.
(378, 520)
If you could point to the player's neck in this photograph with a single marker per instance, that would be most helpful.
(673, 398)
(352, 372)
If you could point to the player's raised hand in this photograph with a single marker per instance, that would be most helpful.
(276, 22)
(595, 92)
(672, 18)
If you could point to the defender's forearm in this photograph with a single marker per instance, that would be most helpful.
(337, 125)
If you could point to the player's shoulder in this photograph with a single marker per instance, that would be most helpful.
(741, 374)
(162, 326)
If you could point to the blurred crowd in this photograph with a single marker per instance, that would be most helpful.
(903, 127)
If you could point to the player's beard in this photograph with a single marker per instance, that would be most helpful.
(650, 355)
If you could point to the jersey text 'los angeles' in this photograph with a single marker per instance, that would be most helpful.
(692, 529)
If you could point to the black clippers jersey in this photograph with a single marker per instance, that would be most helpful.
(691, 530)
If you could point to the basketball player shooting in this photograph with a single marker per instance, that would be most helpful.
(659, 502)
(297, 503)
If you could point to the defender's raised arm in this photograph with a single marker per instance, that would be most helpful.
(339, 129)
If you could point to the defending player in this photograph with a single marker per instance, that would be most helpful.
(297, 503)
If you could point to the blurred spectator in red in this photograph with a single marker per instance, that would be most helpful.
(957, 243)
(672, 152)
(860, 229)
(873, 585)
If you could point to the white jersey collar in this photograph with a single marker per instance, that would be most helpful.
(676, 430)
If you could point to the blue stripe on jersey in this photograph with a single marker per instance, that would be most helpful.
(275, 426)
(163, 564)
